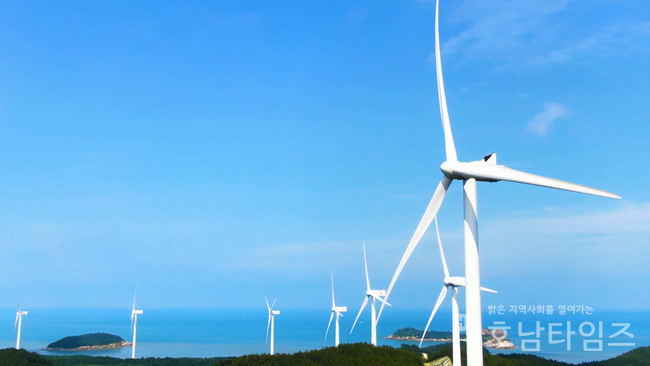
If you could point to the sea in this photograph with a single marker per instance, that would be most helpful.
(567, 337)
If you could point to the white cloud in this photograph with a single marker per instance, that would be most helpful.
(543, 121)
(618, 39)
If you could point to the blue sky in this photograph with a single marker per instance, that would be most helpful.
(216, 152)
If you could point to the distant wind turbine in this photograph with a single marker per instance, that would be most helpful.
(336, 310)
(485, 170)
(374, 295)
(134, 324)
(271, 323)
(19, 322)
(454, 283)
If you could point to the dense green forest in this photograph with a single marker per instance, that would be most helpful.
(91, 339)
(345, 354)
(637, 357)
(112, 361)
(20, 357)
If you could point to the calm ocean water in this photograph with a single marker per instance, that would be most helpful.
(210, 333)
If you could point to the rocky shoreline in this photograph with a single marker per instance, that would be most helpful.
(397, 338)
(122, 344)
(492, 343)
(488, 337)
(504, 343)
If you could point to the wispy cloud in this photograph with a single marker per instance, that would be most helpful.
(499, 26)
(544, 120)
(581, 240)
(531, 34)
(616, 38)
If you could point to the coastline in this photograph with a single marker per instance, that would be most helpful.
(411, 338)
(116, 345)
(493, 343)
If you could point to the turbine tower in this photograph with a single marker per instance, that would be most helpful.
(485, 170)
(19, 322)
(374, 295)
(454, 283)
(134, 324)
(271, 323)
(336, 310)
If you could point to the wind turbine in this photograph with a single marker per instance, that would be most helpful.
(374, 295)
(454, 283)
(19, 322)
(134, 324)
(335, 310)
(271, 323)
(485, 170)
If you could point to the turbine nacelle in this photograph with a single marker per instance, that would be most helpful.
(275, 312)
(475, 169)
(136, 312)
(376, 293)
(454, 281)
(340, 309)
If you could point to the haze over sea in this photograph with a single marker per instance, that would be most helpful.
(212, 332)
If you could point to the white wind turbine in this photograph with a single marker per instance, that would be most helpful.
(454, 283)
(336, 310)
(19, 322)
(374, 295)
(271, 323)
(485, 170)
(134, 324)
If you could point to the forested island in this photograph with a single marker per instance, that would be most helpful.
(88, 342)
(412, 334)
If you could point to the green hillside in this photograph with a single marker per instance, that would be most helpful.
(346, 354)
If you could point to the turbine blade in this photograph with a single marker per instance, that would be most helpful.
(328, 326)
(333, 303)
(442, 253)
(273, 305)
(450, 149)
(268, 325)
(16, 322)
(491, 172)
(131, 328)
(441, 297)
(365, 302)
(365, 263)
(428, 216)
(488, 290)
(267, 303)
(382, 300)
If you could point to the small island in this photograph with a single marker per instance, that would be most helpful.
(88, 342)
(412, 334)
